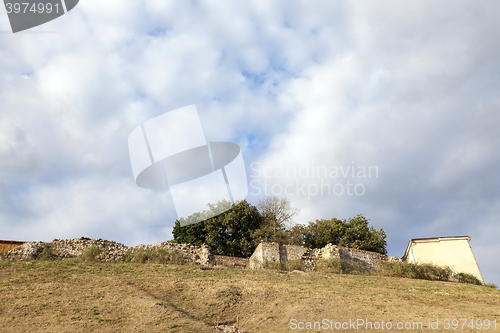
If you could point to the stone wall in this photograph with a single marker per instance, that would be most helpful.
(201, 255)
(264, 252)
(70, 248)
(267, 252)
(365, 258)
(27, 251)
(231, 261)
(292, 252)
(111, 251)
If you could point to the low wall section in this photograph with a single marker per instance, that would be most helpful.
(111, 251)
(366, 258)
(231, 261)
(267, 252)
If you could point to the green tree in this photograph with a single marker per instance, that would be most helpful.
(321, 232)
(354, 233)
(296, 235)
(358, 235)
(229, 233)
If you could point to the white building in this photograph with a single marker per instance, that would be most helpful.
(454, 252)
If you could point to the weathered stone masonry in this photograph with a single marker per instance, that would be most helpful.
(231, 261)
(111, 251)
(266, 252)
(202, 255)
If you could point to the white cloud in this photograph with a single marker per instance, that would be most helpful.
(410, 88)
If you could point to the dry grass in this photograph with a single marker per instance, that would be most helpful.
(76, 296)
(286, 265)
(155, 255)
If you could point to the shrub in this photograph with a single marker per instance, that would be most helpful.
(276, 265)
(337, 266)
(432, 272)
(414, 271)
(328, 266)
(354, 268)
(46, 253)
(286, 265)
(293, 265)
(424, 272)
(466, 278)
(90, 253)
(492, 285)
(4, 264)
(155, 255)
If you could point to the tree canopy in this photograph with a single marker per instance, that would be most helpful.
(241, 227)
(354, 233)
(229, 233)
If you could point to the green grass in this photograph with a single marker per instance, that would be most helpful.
(424, 272)
(155, 255)
(46, 253)
(385, 268)
(91, 253)
(286, 265)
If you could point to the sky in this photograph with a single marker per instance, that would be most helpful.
(387, 109)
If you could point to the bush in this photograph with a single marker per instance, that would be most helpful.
(328, 266)
(155, 255)
(46, 253)
(286, 265)
(492, 285)
(424, 272)
(91, 253)
(294, 265)
(432, 272)
(466, 278)
(337, 266)
(4, 264)
(414, 271)
(354, 268)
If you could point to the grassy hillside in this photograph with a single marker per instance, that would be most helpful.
(75, 296)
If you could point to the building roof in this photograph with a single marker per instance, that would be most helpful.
(431, 239)
(11, 242)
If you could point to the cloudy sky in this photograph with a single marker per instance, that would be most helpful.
(310, 91)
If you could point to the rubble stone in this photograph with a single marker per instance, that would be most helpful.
(111, 251)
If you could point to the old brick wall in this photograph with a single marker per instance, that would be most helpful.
(231, 261)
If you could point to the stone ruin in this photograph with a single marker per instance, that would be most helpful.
(111, 251)
(269, 252)
(200, 255)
